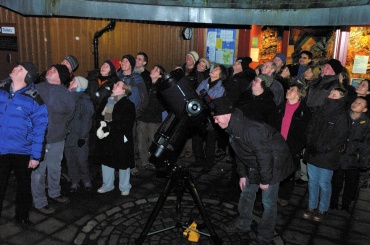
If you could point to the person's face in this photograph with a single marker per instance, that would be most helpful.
(72, 84)
(267, 68)
(256, 86)
(105, 69)
(237, 67)
(285, 72)
(278, 62)
(155, 74)
(215, 74)
(304, 60)
(362, 88)
(18, 73)
(52, 75)
(125, 65)
(67, 64)
(292, 94)
(308, 74)
(327, 70)
(359, 105)
(222, 120)
(335, 95)
(118, 88)
(189, 61)
(139, 61)
(201, 67)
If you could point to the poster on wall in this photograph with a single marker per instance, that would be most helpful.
(360, 64)
(221, 45)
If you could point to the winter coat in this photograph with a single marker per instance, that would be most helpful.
(81, 123)
(297, 130)
(327, 134)
(23, 121)
(319, 90)
(153, 112)
(260, 108)
(278, 90)
(236, 86)
(117, 149)
(139, 94)
(357, 153)
(61, 107)
(262, 153)
(215, 91)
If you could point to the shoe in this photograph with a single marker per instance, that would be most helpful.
(88, 188)
(25, 222)
(101, 190)
(301, 182)
(72, 189)
(319, 216)
(125, 193)
(134, 171)
(283, 202)
(364, 184)
(308, 214)
(149, 166)
(46, 210)
(232, 227)
(61, 199)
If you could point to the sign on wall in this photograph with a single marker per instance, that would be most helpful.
(221, 45)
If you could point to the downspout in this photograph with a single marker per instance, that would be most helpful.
(109, 27)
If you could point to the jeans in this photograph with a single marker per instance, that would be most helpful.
(319, 187)
(23, 200)
(78, 165)
(108, 178)
(51, 163)
(267, 223)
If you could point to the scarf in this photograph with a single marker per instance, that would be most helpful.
(108, 110)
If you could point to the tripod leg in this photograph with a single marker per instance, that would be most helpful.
(158, 206)
(194, 193)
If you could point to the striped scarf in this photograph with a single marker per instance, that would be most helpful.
(108, 110)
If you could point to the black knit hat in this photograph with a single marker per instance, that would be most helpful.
(63, 72)
(32, 70)
(222, 106)
(336, 65)
(72, 61)
(244, 61)
(130, 59)
(293, 70)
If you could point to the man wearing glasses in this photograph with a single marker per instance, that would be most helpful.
(305, 58)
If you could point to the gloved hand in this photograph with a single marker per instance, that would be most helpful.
(103, 130)
(80, 142)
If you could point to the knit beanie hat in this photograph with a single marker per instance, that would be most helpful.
(81, 82)
(130, 59)
(244, 61)
(114, 65)
(194, 55)
(222, 106)
(281, 56)
(267, 79)
(63, 72)
(72, 61)
(336, 65)
(206, 61)
(32, 74)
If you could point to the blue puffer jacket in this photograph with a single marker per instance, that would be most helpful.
(23, 121)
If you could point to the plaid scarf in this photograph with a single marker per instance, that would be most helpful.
(108, 110)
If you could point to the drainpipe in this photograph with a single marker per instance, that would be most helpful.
(109, 27)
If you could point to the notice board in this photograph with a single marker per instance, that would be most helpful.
(221, 46)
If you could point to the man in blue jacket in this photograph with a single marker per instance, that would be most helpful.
(23, 120)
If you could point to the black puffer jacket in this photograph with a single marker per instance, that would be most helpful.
(357, 153)
(262, 153)
(327, 134)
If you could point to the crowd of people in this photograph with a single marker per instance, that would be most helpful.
(270, 122)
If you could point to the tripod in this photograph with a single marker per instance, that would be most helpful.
(181, 178)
